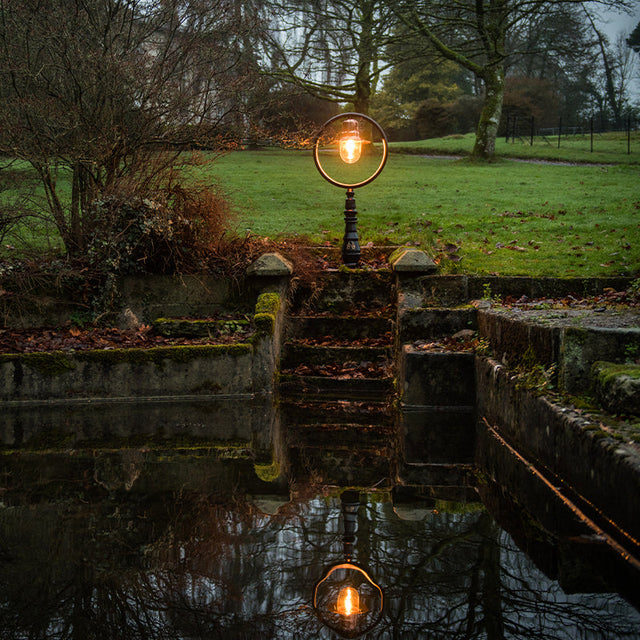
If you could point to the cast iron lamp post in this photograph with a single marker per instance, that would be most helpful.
(346, 599)
(350, 151)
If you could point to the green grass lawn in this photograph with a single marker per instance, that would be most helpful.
(506, 217)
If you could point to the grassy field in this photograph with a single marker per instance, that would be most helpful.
(607, 148)
(507, 217)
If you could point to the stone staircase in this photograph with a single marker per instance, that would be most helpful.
(337, 380)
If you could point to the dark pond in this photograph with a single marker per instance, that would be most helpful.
(177, 538)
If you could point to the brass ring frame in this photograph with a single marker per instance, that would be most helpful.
(385, 151)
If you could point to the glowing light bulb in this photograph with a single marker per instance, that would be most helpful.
(350, 142)
(348, 602)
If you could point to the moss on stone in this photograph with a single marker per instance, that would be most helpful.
(264, 323)
(52, 363)
(267, 308)
(268, 303)
(583, 402)
(199, 328)
(605, 372)
(267, 472)
(596, 432)
(397, 254)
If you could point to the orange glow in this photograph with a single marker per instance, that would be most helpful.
(348, 602)
(350, 150)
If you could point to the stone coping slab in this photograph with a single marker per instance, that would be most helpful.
(571, 339)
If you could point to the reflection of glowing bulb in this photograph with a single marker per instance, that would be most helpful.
(348, 602)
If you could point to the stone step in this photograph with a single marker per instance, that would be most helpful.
(427, 324)
(337, 436)
(347, 327)
(295, 354)
(327, 387)
(438, 475)
(337, 412)
(617, 387)
(341, 291)
(343, 467)
(200, 328)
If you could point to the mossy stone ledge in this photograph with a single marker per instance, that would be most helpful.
(617, 387)
(159, 371)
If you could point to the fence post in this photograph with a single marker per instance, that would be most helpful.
(559, 131)
(506, 139)
(628, 133)
(532, 129)
(591, 130)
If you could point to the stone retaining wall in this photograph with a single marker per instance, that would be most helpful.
(120, 373)
(186, 370)
(600, 467)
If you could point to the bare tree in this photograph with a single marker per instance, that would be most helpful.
(618, 65)
(475, 35)
(99, 93)
(334, 49)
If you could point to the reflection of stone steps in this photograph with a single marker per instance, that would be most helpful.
(454, 482)
(343, 442)
(338, 411)
(438, 417)
(221, 423)
(337, 381)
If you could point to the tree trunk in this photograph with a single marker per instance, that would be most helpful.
(366, 56)
(362, 98)
(487, 131)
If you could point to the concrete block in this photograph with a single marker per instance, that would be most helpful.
(437, 378)
(440, 435)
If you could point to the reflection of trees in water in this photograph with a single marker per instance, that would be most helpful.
(191, 568)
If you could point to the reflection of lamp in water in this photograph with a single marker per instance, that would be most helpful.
(346, 599)
(350, 143)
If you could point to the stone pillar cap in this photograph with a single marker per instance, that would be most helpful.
(412, 260)
(270, 264)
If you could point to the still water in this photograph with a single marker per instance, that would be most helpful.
(155, 541)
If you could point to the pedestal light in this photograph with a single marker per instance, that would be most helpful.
(346, 599)
(350, 151)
